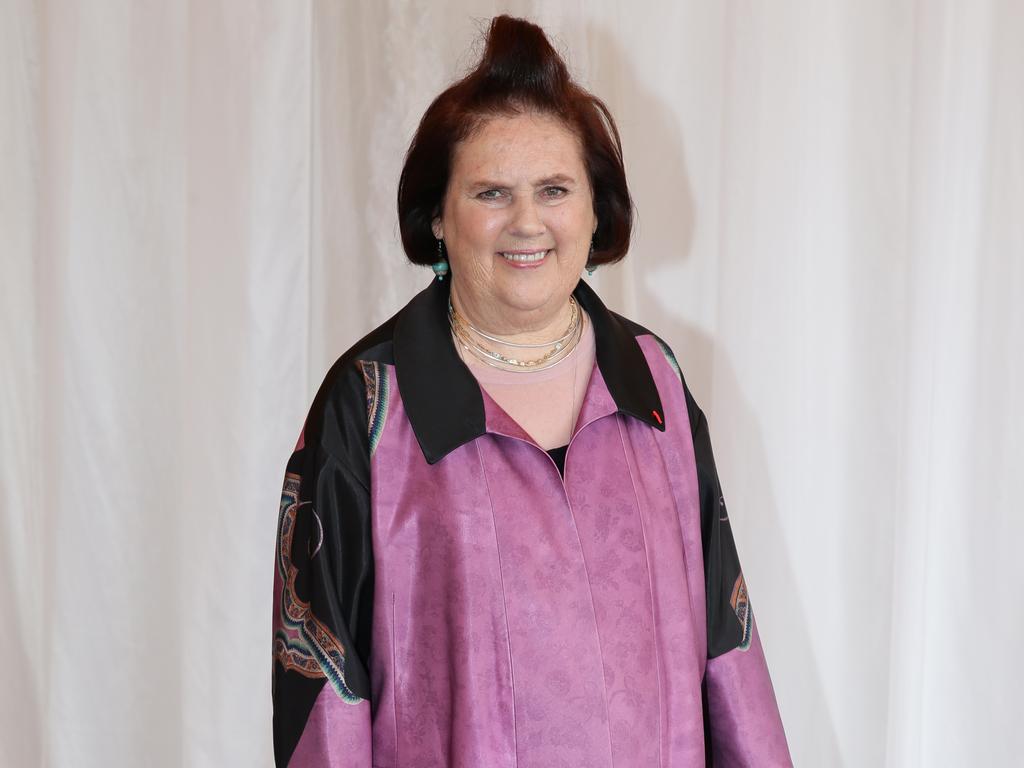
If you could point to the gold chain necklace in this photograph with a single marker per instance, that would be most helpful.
(561, 347)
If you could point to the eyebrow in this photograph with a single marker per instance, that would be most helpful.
(558, 178)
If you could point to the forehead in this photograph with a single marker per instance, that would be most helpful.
(526, 144)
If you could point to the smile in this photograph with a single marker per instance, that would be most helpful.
(523, 257)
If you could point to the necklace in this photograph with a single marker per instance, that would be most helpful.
(575, 308)
(561, 347)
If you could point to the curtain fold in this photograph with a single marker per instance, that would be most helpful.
(198, 216)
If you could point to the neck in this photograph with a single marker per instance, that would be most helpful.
(545, 324)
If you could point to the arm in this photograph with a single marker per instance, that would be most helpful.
(742, 723)
(323, 587)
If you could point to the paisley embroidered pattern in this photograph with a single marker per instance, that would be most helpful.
(303, 643)
(741, 605)
(377, 396)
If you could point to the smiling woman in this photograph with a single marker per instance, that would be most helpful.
(502, 540)
(517, 220)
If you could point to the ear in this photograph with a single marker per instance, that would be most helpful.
(437, 229)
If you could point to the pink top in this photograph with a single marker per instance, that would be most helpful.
(545, 403)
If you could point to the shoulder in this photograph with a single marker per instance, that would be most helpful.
(337, 421)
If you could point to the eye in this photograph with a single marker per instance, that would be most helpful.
(491, 194)
(555, 192)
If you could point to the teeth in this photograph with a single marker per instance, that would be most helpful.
(525, 257)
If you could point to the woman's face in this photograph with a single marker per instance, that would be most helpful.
(517, 221)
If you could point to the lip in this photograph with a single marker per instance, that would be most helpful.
(523, 252)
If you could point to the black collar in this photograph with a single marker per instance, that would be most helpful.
(443, 399)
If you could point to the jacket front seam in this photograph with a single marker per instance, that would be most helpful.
(650, 584)
(593, 609)
(504, 604)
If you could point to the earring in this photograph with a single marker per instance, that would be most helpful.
(591, 269)
(440, 266)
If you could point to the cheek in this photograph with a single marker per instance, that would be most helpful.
(574, 227)
(476, 229)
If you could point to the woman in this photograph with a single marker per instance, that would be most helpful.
(502, 540)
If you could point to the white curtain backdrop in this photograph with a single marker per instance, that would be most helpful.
(197, 217)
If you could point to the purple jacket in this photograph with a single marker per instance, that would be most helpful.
(443, 597)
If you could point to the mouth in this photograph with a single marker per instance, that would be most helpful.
(524, 258)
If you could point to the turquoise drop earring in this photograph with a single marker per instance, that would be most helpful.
(591, 269)
(440, 266)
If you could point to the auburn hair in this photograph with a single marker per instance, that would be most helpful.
(518, 72)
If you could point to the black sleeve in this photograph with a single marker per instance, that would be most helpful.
(729, 620)
(742, 725)
(728, 609)
(323, 596)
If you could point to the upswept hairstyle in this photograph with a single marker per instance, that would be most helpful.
(519, 72)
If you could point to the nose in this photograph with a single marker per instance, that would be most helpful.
(526, 220)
